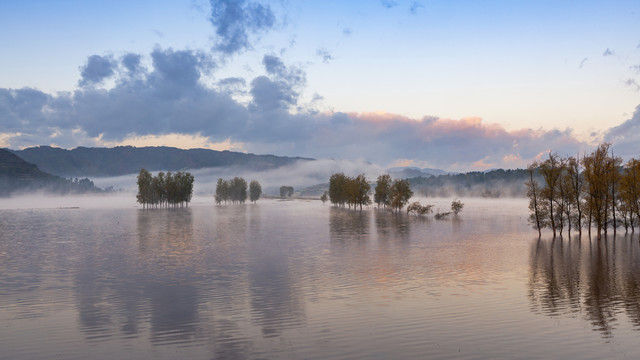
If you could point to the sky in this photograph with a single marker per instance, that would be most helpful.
(455, 85)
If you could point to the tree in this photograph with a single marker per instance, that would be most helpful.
(255, 190)
(324, 197)
(222, 191)
(596, 175)
(286, 191)
(162, 190)
(238, 190)
(576, 190)
(419, 209)
(400, 194)
(630, 191)
(144, 188)
(550, 170)
(338, 189)
(358, 191)
(456, 206)
(383, 187)
(533, 193)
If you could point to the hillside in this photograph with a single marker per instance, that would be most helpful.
(495, 183)
(17, 175)
(122, 160)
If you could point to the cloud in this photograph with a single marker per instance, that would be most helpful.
(626, 136)
(388, 3)
(608, 52)
(235, 20)
(97, 69)
(162, 97)
(414, 7)
(582, 63)
(632, 83)
(132, 63)
(324, 54)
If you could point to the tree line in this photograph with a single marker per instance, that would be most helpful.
(235, 190)
(595, 191)
(164, 189)
(355, 191)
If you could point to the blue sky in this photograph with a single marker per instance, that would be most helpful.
(457, 85)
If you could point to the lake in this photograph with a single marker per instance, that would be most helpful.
(93, 278)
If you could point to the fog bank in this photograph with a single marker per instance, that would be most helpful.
(299, 175)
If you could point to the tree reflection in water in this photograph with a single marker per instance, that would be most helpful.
(595, 279)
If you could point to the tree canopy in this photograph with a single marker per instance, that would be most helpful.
(234, 190)
(594, 191)
(164, 189)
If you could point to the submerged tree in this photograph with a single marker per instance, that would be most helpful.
(222, 191)
(595, 191)
(286, 191)
(358, 191)
(164, 190)
(533, 193)
(550, 170)
(234, 190)
(338, 189)
(238, 190)
(419, 209)
(400, 194)
(383, 188)
(456, 206)
(255, 190)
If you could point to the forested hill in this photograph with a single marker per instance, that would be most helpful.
(17, 175)
(496, 183)
(122, 160)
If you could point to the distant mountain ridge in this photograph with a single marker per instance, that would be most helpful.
(123, 160)
(17, 175)
(411, 172)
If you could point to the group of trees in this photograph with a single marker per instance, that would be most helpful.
(164, 189)
(346, 190)
(286, 191)
(394, 193)
(355, 191)
(592, 191)
(235, 190)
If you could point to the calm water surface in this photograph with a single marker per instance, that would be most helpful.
(302, 280)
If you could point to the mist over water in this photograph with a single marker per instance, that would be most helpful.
(299, 279)
(299, 175)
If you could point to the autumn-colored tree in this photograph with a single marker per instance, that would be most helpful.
(358, 191)
(383, 187)
(338, 189)
(456, 206)
(630, 191)
(538, 212)
(550, 170)
(576, 190)
(400, 194)
(596, 175)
